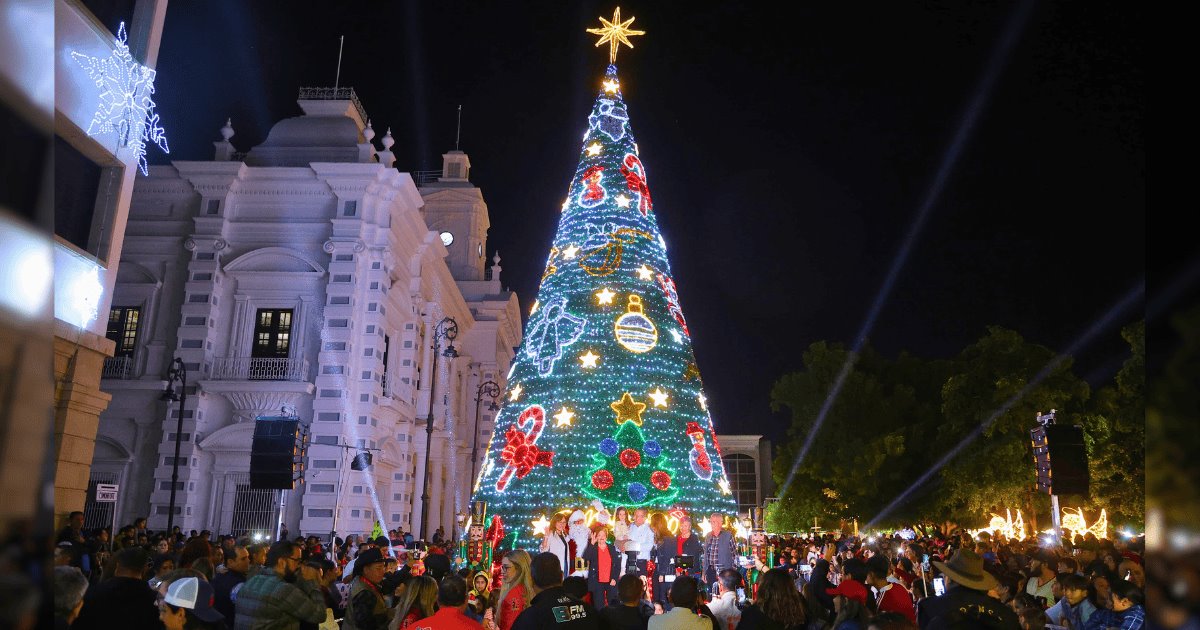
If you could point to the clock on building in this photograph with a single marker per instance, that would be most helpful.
(479, 249)
(447, 238)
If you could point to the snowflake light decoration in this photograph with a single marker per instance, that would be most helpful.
(126, 107)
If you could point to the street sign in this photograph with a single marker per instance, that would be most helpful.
(106, 492)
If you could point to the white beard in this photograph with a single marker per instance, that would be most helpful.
(580, 535)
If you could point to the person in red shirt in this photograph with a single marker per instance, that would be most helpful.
(516, 589)
(905, 570)
(452, 599)
(604, 567)
(889, 596)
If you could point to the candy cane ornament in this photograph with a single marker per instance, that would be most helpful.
(520, 453)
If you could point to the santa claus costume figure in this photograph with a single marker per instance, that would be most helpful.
(578, 534)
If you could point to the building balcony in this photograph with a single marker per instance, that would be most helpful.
(118, 368)
(259, 369)
(398, 395)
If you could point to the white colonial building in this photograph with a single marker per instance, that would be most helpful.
(747, 460)
(308, 274)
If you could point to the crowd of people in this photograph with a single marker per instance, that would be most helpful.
(630, 571)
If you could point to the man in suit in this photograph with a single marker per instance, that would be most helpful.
(604, 566)
(718, 549)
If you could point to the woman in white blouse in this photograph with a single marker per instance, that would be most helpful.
(555, 540)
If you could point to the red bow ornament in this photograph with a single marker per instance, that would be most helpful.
(522, 454)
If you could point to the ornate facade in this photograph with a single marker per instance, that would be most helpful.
(307, 278)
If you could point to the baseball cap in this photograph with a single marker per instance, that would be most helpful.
(196, 595)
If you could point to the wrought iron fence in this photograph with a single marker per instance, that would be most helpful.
(333, 94)
(97, 515)
(117, 367)
(260, 369)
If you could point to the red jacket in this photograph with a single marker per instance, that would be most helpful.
(896, 599)
(448, 618)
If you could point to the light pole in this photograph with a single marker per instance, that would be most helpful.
(492, 390)
(447, 328)
(177, 373)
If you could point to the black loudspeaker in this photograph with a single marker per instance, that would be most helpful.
(362, 461)
(272, 453)
(1068, 460)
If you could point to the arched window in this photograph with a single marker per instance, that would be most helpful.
(743, 479)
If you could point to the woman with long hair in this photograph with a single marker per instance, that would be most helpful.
(195, 549)
(516, 588)
(777, 605)
(556, 541)
(417, 603)
(662, 554)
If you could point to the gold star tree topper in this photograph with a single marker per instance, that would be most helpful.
(615, 33)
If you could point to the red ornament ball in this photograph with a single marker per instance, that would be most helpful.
(602, 479)
(630, 458)
(660, 480)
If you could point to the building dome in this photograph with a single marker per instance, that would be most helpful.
(314, 131)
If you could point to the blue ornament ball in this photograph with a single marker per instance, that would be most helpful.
(651, 448)
(609, 447)
(637, 492)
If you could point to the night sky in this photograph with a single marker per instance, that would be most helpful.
(788, 154)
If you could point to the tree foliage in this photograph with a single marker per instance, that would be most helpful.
(894, 419)
(1173, 484)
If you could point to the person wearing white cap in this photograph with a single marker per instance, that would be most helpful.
(188, 604)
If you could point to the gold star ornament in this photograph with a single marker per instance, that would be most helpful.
(628, 410)
(615, 33)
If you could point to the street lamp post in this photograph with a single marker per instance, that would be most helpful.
(492, 390)
(448, 329)
(177, 373)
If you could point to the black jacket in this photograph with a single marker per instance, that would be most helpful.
(554, 608)
(754, 617)
(664, 552)
(119, 602)
(962, 607)
(223, 585)
(591, 555)
(693, 548)
(622, 617)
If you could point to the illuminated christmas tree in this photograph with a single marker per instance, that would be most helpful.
(605, 400)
